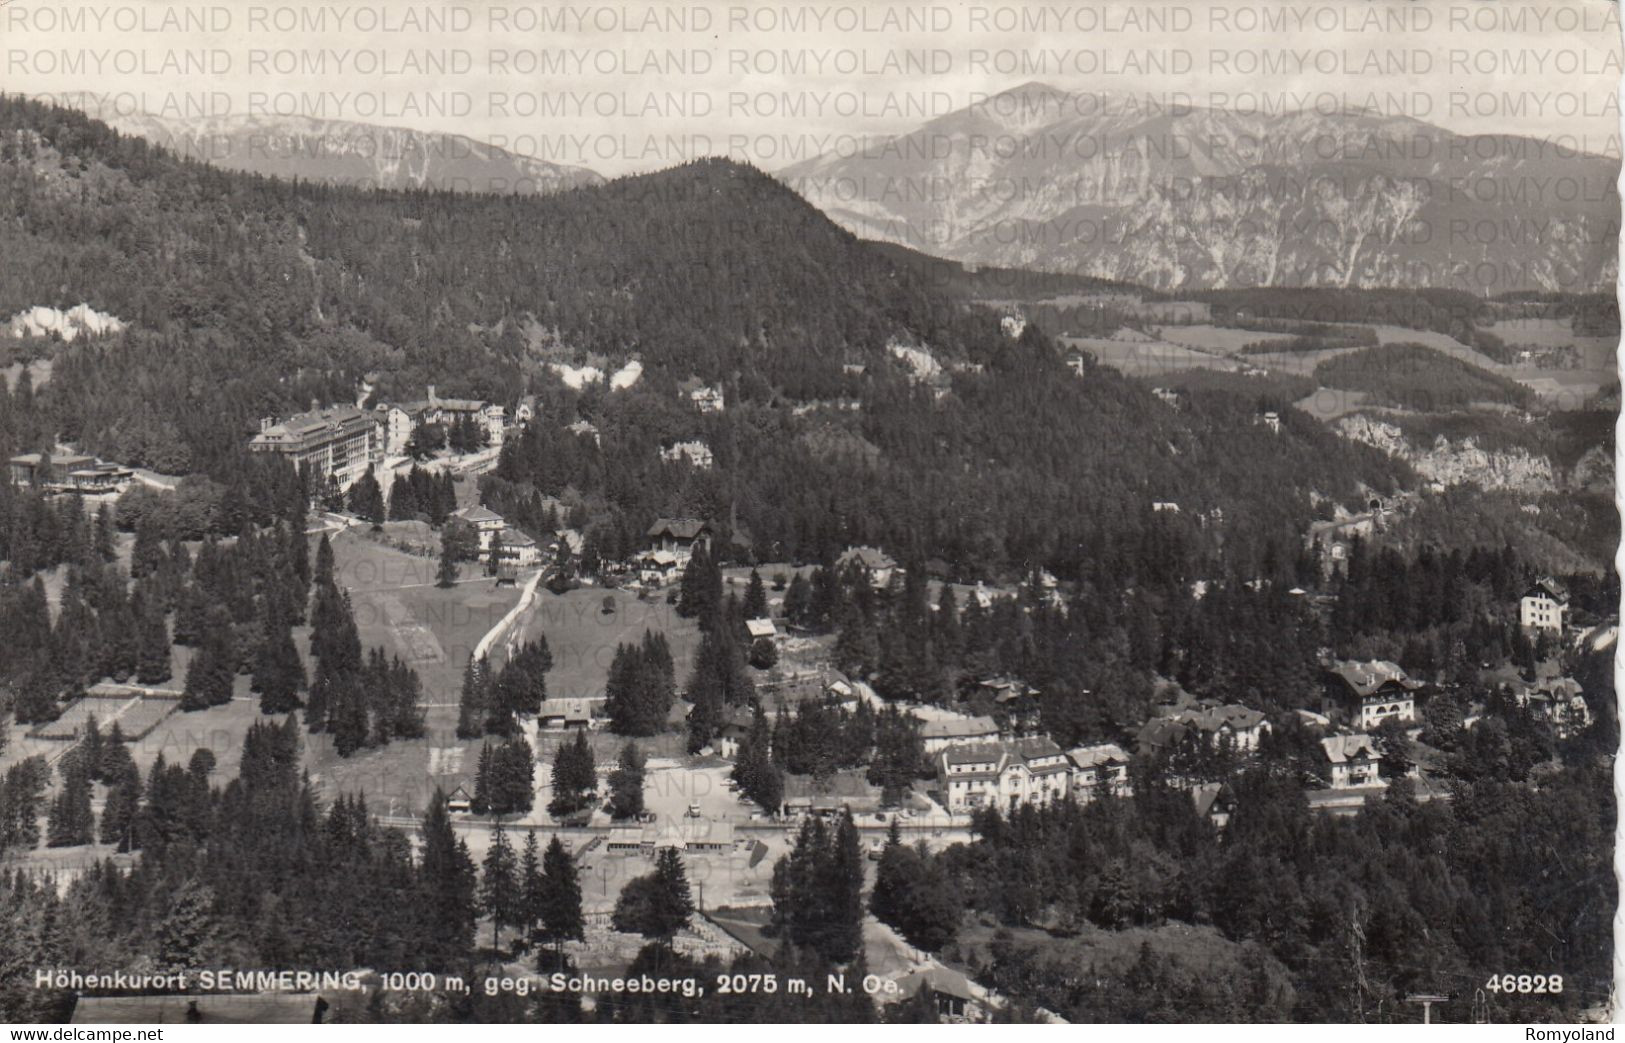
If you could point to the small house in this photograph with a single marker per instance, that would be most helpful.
(459, 801)
(564, 714)
(679, 537)
(875, 565)
(1099, 771)
(1371, 692)
(949, 993)
(1214, 802)
(1353, 760)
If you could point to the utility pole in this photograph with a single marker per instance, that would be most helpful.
(1427, 1000)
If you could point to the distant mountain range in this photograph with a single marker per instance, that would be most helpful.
(361, 154)
(1201, 198)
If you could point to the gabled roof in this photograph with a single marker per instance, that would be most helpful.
(1003, 754)
(476, 514)
(1209, 794)
(679, 528)
(1550, 587)
(569, 709)
(1211, 719)
(760, 628)
(1340, 749)
(1094, 756)
(1369, 677)
(867, 557)
(940, 980)
(1161, 732)
(958, 728)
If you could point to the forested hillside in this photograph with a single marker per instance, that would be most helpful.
(250, 297)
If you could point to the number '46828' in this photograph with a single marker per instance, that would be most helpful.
(1536, 984)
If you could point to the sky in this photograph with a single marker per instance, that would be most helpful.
(636, 86)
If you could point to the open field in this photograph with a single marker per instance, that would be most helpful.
(583, 637)
(1220, 340)
(1158, 358)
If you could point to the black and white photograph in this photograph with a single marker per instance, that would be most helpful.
(531, 513)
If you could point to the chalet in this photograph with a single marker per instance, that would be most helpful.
(875, 565)
(1354, 761)
(657, 568)
(694, 452)
(484, 521)
(707, 399)
(939, 735)
(679, 537)
(1558, 700)
(949, 992)
(341, 442)
(1244, 727)
(733, 732)
(1369, 693)
(1004, 775)
(1159, 735)
(1214, 802)
(759, 628)
(564, 714)
(1099, 771)
(1015, 702)
(1544, 606)
(459, 801)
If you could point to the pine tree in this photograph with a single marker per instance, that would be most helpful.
(755, 597)
(122, 805)
(71, 821)
(531, 885)
(499, 885)
(446, 890)
(446, 574)
(626, 784)
(559, 908)
(575, 779)
(212, 672)
(673, 902)
(153, 663)
(278, 672)
(472, 708)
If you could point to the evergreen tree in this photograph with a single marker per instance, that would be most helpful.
(71, 821)
(446, 573)
(531, 886)
(474, 703)
(626, 783)
(575, 779)
(500, 886)
(755, 597)
(446, 890)
(153, 663)
(559, 907)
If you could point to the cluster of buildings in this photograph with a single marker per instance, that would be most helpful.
(343, 441)
(672, 542)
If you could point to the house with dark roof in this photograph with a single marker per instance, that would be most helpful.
(1560, 700)
(1544, 606)
(679, 536)
(1002, 775)
(950, 993)
(1214, 802)
(876, 565)
(1353, 761)
(1367, 693)
(564, 714)
(1243, 726)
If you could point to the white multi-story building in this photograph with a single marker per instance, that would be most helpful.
(1544, 606)
(341, 442)
(1003, 775)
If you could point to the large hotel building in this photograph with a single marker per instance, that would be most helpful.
(342, 441)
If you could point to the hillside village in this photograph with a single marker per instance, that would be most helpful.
(880, 624)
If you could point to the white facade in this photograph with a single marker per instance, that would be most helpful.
(1003, 775)
(1540, 611)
